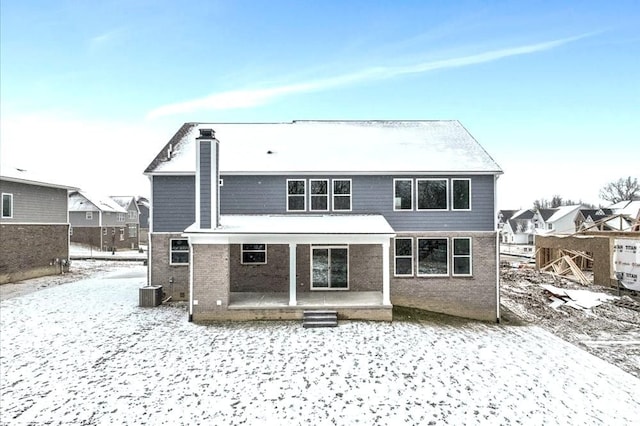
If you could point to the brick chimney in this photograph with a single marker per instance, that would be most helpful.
(207, 179)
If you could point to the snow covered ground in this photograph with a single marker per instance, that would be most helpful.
(85, 353)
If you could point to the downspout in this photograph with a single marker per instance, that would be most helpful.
(190, 280)
(495, 228)
(150, 233)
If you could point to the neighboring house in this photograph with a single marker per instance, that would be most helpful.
(103, 223)
(354, 216)
(586, 218)
(34, 226)
(143, 208)
(518, 228)
(562, 221)
(132, 219)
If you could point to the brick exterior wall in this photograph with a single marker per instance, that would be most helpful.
(162, 273)
(93, 236)
(211, 279)
(29, 251)
(270, 277)
(87, 235)
(468, 297)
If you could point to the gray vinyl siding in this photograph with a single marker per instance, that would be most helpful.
(111, 219)
(370, 195)
(35, 203)
(79, 219)
(174, 199)
(205, 184)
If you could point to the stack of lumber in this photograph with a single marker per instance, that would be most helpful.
(566, 265)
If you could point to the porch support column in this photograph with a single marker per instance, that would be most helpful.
(292, 275)
(386, 299)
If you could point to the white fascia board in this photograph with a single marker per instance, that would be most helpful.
(228, 238)
(360, 173)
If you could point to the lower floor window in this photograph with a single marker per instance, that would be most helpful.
(433, 256)
(462, 256)
(403, 257)
(254, 254)
(329, 268)
(179, 252)
(133, 231)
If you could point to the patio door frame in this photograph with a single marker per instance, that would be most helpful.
(329, 248)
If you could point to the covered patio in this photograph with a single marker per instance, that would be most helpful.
(320, 232)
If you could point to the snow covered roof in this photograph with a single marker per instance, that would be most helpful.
(562, 212)
(124, 201)
(82, 201)
(14, 174)
(440, 146)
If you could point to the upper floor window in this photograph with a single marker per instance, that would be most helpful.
(319, 189)
(296, 195)
(403, 194)
(432, 194)
(7, 206)
(433, 256)
(132, 214)
(461, 194)
(179, 252)
(89, 215)
(403, 257)
(342, 194)
(121, 217)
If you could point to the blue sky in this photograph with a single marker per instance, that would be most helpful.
(91, 90)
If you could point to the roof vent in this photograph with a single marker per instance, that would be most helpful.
(207, 134)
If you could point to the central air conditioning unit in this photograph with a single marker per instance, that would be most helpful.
(150, 296)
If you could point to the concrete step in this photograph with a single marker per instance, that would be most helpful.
(312, 319)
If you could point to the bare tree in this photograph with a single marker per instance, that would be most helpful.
(621, 190)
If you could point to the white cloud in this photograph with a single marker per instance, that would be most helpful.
(247, 98)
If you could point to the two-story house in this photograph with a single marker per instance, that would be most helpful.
(131, 220)
(263, 221)
(34, 226)
(102, 222)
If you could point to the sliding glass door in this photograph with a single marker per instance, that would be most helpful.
(329, 268)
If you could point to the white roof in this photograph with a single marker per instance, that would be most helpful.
(332, 146)
(29, 177)
(78, 202)
(298, 228)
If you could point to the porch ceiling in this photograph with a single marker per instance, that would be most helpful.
(294, 229)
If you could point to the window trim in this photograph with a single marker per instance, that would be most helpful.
(104, 232)
(121, 217)
(171, 251)
(395, 256)
(88, 215)
(334, 195)
(132, 229)
(10, 196)
(303, 195)
(418, 257)
(132, 214)
(453, 200)
(394, 195)
(446, 189)
(121, 234)
(242, 251)
(454, 256)
(311, 195)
